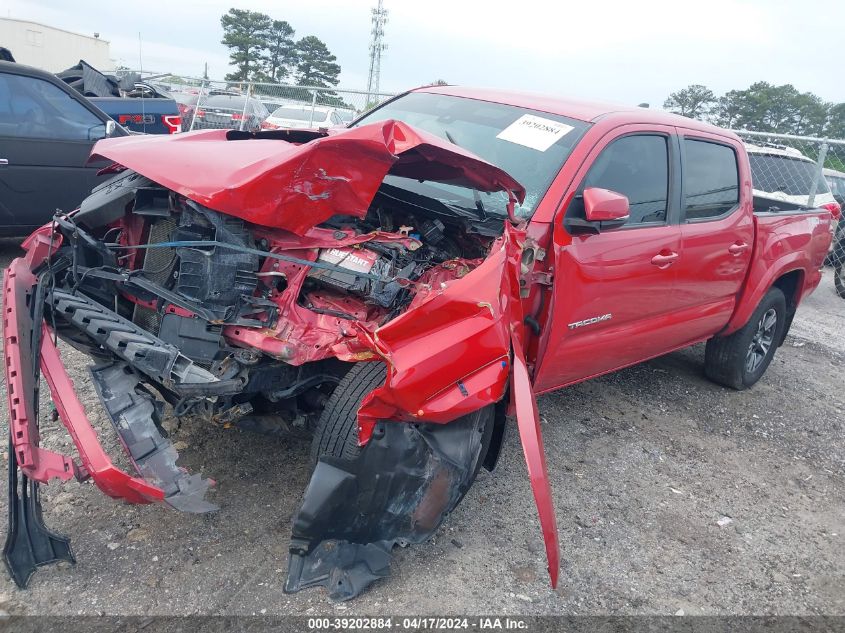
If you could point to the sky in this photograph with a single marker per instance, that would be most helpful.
(622, 51)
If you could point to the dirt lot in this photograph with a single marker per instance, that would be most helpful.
(643, 462)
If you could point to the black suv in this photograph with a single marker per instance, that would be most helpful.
(47, 130)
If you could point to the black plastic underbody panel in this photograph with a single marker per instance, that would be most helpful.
(397, 491)
(148, 354)
(134, 414)
(29, 544)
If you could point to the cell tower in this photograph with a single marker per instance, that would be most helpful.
(379, 19)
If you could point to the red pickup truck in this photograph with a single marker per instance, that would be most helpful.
(395, 288)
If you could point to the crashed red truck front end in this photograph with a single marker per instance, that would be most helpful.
(270, 283)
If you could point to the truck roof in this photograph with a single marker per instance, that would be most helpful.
(588, 111)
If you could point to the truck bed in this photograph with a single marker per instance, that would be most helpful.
(789, 239)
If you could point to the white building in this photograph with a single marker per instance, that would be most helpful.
(52, 49)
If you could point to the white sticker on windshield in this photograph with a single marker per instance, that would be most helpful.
(534, 132)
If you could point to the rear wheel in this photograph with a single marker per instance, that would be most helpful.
(741, 359)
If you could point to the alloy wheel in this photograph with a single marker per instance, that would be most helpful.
(762, 340)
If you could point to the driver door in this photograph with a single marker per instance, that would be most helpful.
(45, 138)
(613, 301)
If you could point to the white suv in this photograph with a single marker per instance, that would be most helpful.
(785, 174)
(302, 116)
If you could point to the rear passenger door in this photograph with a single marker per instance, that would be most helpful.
(717, 232)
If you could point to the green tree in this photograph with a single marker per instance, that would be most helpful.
(245, 35)
(280, 55)
(728, 108)
(835, 127)
(316, 65)
(764, 107)
(695, 101)
(810, 114)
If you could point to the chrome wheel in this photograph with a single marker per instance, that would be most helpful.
(762, 341)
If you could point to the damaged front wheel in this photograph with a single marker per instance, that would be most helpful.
(397, 489)
(337, 430)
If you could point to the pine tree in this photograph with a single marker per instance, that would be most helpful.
(694, 101)
(245, 34)
(281, 56)
(316, 65)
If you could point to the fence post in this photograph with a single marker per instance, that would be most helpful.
(819, 174)
(313, 105)
(246, 105)
(197, 106)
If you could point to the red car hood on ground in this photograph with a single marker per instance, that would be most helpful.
(296, 185)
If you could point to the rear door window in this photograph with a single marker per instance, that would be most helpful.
(711, 179)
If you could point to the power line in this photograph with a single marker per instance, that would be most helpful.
(377, 46)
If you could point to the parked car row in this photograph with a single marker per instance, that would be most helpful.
(239, 112)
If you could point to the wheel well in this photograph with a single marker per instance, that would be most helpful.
(790, 284)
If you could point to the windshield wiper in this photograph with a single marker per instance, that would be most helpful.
(476, 196)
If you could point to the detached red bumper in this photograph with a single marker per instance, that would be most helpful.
(37, 463)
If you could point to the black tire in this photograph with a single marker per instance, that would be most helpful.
(741, 359)
(337, 431)
(839, 279)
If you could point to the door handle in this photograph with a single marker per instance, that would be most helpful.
(664, 260)
(4, 161)
(738, 248)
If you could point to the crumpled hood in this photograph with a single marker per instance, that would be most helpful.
(297, 185)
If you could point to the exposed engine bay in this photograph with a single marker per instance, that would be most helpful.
(365, 307)
(259, 316)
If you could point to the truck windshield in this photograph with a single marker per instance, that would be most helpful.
(528, 144)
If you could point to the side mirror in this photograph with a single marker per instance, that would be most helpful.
(111, 128)
(604, 205)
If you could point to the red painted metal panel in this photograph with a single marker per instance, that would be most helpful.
(37, 463)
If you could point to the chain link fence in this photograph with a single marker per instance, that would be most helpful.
(804, 171)
(254, 106)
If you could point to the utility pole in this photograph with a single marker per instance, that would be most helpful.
(379, 19)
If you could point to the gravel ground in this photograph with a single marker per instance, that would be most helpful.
(644, 464)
